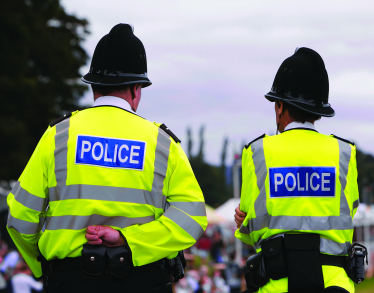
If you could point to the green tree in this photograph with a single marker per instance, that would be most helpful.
(40, 57)
(211, 178)
(365, 180)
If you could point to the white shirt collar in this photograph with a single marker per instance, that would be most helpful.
(113, 101)
(295, 124)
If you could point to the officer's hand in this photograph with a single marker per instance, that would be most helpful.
(103, 235)
(239, 216)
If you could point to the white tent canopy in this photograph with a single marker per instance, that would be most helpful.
(227, 210)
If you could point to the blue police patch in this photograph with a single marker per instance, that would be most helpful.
(302, 181)
(110, 152)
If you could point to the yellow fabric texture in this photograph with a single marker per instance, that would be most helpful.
(299, 148)
(150, 241)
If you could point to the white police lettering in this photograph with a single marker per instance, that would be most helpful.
(311, 181)
(120, 151)
(97, 144)
(276, 181)
(110, 152)
(106, 159)
(298, 183)
(84, 149)
(302, 181)
(325, 181)
(134, 154)
(293, 181)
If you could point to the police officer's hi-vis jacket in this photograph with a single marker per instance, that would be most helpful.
(106, 166)
(300, 181)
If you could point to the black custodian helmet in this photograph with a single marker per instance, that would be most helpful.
(302, 81)
(119, 59)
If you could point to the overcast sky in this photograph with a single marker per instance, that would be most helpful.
(211, 62)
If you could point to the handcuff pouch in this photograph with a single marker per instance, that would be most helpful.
(274, 254)
(119, 262)
(257, 273)
(93, 260)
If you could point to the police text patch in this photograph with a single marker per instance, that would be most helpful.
(302, 181)
(110, 152)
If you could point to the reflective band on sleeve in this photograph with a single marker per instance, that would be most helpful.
(335, 248)
(160, 168)
(25, 227)
(355, 204)
(185, 222)
(191, 208)
(344, 158)
(27, 199)
(261, 173)
(109, 193)
(82, 222)
(61, 151)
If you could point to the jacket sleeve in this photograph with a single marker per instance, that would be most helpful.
(27, 203)
(351, 189)
(249, 193)
(184, 220)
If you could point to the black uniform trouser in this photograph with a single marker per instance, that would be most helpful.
(141, 280)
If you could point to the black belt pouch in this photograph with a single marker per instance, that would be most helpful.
(119, 262)
(256, 277)
(274, 253)
(303, 261)
(93, 260)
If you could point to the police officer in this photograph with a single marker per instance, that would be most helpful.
(299, 190)
(116, 193)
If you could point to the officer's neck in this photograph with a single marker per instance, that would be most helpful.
(286, 119)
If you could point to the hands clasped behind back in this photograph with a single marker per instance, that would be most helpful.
(103, 235)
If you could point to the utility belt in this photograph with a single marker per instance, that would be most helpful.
(297, 256)
(115, 262)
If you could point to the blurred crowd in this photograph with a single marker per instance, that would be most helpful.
(15, 275)
(212, 266)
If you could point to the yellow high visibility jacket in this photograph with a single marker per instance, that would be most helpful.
(300, 181)
(106, 166)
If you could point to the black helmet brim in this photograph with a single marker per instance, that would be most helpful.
(115, 80)
(323, 110)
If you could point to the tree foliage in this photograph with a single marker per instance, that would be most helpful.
(40, 57)
(365, 170)
(212, 179)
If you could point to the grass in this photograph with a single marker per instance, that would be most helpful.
(366, 286)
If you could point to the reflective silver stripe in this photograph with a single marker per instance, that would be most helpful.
(191, 208)
(160, 168)
(81, 222)
(335, 248)
(61, 151)
(344, 158)
(28, 199)
(356, 204)
(25, 227)
(185, 222)
(97, 192)
(258, 157)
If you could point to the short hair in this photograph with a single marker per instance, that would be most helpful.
(300, 115)
(106, 90)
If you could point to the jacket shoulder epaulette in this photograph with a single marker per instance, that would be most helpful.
(58, 120)
(261, 136)
(343, 139)
(168, 131)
